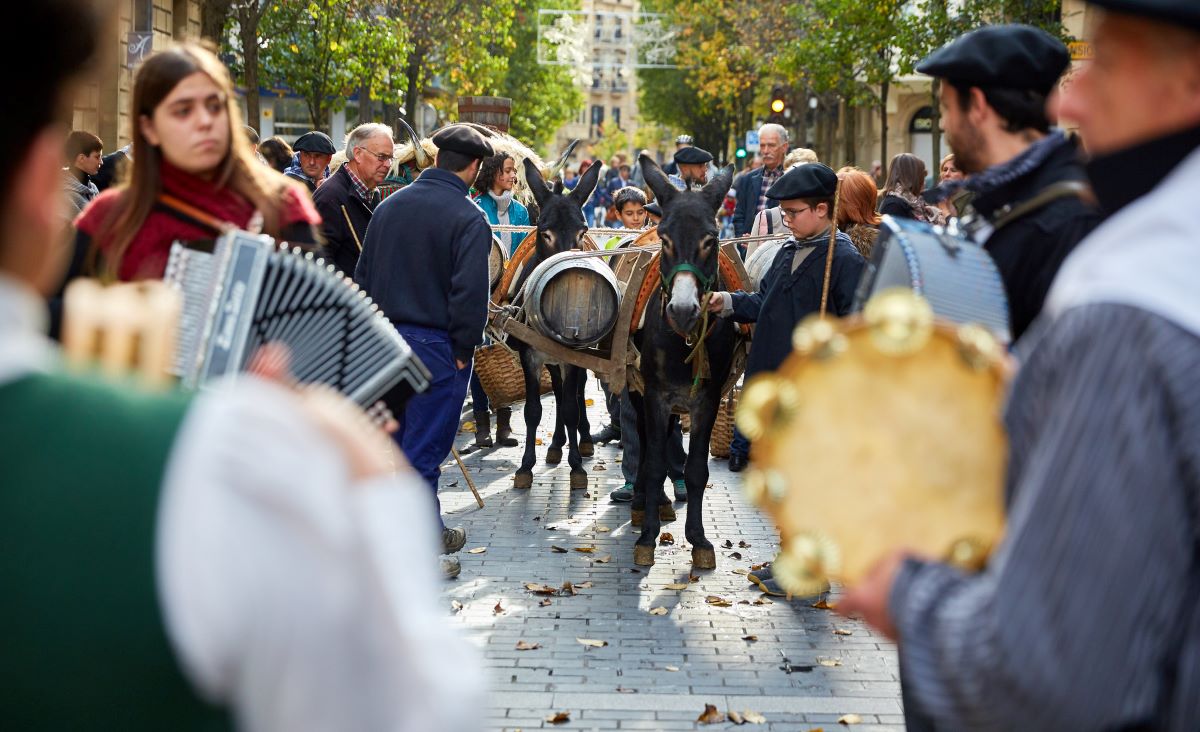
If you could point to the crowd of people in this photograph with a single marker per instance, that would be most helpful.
(261, 555)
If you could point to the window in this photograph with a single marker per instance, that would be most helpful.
(143, 15)
(597, 120)
(616, 117)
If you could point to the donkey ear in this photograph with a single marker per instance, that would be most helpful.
(587, 182)
(533, 178)
(657, 180)
(717, 188)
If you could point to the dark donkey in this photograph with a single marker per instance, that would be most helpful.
(677, 330)
(560, 228)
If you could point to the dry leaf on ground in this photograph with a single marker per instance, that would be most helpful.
(559, 718)
(710, 715)
(753, 717)
(744, 544)
(604, 559)
(455, 605)
(842, 631)
(477, 550)
(584, 585)
(677, 586)
(739, 570)
(523, 645)
(658, 611)
(666, 538)
(540, 589)
(823, 604)
(497, 610)
(589, 402)
(830, 661)
(750, 638)
(568, 589)
(735, 717)
(762, 601)
(557, 549)
(735, 555)
(603, 529)
(625, 690)
(585, 549)
(693, 578)
(718, 601)
(538, 441)
(591, 643)
(849, 719)
(727, 545)
(671, 668)
(545, 603)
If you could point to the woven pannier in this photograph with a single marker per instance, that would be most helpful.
(722, 434)
(500, 373)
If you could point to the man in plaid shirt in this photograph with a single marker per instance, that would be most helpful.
(752, 187)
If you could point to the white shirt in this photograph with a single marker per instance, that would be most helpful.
(299, 598)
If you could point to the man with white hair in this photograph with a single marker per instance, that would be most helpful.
(752, 187)
(347, 199)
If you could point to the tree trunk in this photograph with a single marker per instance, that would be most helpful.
(884, 88)
(249, 34)
(364, 104)
(213, 14)
(936, 130)
(412, 95)
(850, 127)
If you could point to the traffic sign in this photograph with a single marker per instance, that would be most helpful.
(752, 141)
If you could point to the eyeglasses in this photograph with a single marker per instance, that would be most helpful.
(381, 157)
(789, 214)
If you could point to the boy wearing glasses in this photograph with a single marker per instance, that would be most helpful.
(791, 290)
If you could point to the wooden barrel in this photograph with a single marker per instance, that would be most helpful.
(490, 111)
(572, 300)
(760, 262)
(497, 258)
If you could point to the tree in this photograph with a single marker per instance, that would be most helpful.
(214, 14)
(612, 140)
(248, 14)
(544, 96)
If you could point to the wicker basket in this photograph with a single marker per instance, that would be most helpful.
(722, 434)
(500, 373)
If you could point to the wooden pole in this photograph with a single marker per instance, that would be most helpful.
(467, 475)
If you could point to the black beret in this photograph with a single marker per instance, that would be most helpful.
(1182, 12)
(314, 142)
(1009, 56)
(463, 139)
(654, 209)
(811, 180)
(693, 156)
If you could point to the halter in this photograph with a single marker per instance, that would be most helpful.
(698, 356)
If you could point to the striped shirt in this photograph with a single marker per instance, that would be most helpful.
(1092, 595)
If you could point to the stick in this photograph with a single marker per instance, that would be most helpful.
(353, 233)
(833, 232)
(467, 475)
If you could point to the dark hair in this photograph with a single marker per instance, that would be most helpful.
(276, 152)
(907, 172)
(455, 162)
(63, 53)
(1021, 109)
(628, 194)
(814, 202)
(489, 170)
(81, 143)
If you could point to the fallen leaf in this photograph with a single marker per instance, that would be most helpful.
(540, 589)
(468, 427)
(658, 611)
(455, 605)
(718, 601)
(710, 715)
(754, 717)
(842, 631)
(497, 610)
(763, 600)
(677, 586)
(603, 529)
(585, 549)
(557, 549)
(568, 589)
(545, 603)
(727, 545)
(523, 645)
(666, 539)
(693, 578)
(739, 570)
(589, 402)
(756, 567)
(671, 668)
(590, 643)
(849, 719)
(823, 605)
(605, 560)
(559, 718)
(830, 662)
(598, 468)
(735, 555)
(735, 717)
(623, 690)
(538, 441)
(584, 585)
(743, 545)
(750, 638)
(477, 550)
(537, 518)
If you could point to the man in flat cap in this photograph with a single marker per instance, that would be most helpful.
(313, 151)
(1088, 613)
(692, 164)
(1026, 181)
(791, 289)
(425, 262)
(681, 143)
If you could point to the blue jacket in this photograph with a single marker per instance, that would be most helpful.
(518, 215)
(425, 259)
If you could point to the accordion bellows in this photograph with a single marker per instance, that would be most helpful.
(244, 291)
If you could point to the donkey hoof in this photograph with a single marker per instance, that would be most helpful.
(704, 558)
(636, 517)
(578, 480)
(587, 449)
(643, 556)
(553, 456)
(666, 512)
(523, 480)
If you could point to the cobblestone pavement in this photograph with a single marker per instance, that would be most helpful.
(798, 666)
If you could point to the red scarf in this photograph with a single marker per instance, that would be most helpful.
(146, 256)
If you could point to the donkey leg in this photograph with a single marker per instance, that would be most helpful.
(533, 416)
(586, 448)
(695, 476)
(632, 439)
(554, 452)
(654, 470)
(570, 409)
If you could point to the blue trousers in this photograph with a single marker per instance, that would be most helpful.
(631, 448)
(430, 419)
(739, 445)
(479, 397)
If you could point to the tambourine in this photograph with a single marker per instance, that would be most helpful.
(880, 431)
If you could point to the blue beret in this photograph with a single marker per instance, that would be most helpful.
(811, 180)
(1009, 56)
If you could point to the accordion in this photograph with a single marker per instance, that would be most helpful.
(954, 274)
(244, 291)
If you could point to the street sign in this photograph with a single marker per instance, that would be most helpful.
(752, 141)
(1081, 50)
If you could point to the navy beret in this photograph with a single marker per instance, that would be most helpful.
(1009, 56)
(693, 156)
(463, 139)
(314, 142)
(811, 180)
(1182, 12)
(654, 209)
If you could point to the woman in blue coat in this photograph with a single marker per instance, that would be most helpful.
(497, 176)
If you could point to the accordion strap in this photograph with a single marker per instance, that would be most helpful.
(186, 211)
(1048, 195)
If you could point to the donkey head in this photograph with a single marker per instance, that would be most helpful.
(561, 225)
(690, 242)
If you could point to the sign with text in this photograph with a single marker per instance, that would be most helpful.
(752, 141)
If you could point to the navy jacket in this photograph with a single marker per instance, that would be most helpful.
(425, 259)
(749, 188)
(340, 245)
(786, 298)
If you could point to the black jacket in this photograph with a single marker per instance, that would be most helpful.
(1029, 251)
(749, 188)
(425, 259)
(112, 168)
(785, 298)
(896, 206)
(341, 248)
